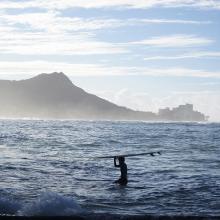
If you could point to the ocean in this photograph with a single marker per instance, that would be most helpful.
(50, 168)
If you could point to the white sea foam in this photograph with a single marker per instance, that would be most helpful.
(48, 204)
(51, 204)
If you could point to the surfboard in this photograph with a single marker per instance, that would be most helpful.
(93, 180)
(154, 153)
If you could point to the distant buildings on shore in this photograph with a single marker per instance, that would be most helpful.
(181, 113)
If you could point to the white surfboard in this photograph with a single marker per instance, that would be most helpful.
(154, 153)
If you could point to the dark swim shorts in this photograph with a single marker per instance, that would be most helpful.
(122, 182)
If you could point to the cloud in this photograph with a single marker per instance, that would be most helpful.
(172, 21)
(175, 41)
(64, 4)
(54, 22)
(29, 44)
(51, 34)
(181, 72)
(87, 69)
(71, 69)
(43, 43)
(201, 54)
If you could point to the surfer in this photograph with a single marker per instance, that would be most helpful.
(123, 167)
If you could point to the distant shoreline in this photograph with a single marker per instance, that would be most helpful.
(106, 120)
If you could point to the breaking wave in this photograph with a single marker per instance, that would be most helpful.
(47, 204)
(8, 206)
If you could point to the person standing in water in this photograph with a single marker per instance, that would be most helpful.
(123, 167)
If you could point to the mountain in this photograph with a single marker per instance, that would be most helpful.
(55, 96)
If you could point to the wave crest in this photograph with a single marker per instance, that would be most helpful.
(48, 204)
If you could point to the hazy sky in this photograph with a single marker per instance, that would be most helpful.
(144, 54)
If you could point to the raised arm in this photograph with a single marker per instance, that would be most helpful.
(115, 162)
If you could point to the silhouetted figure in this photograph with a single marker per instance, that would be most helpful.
(123, 167)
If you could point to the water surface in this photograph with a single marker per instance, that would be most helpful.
(49, 164)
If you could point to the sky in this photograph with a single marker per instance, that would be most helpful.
(143, 54)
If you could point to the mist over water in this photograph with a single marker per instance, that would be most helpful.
(47, 167)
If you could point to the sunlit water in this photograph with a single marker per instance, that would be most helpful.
(48, 167)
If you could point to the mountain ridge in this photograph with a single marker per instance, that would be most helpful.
(54, 96)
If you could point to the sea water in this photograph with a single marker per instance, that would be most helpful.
(49, 168)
